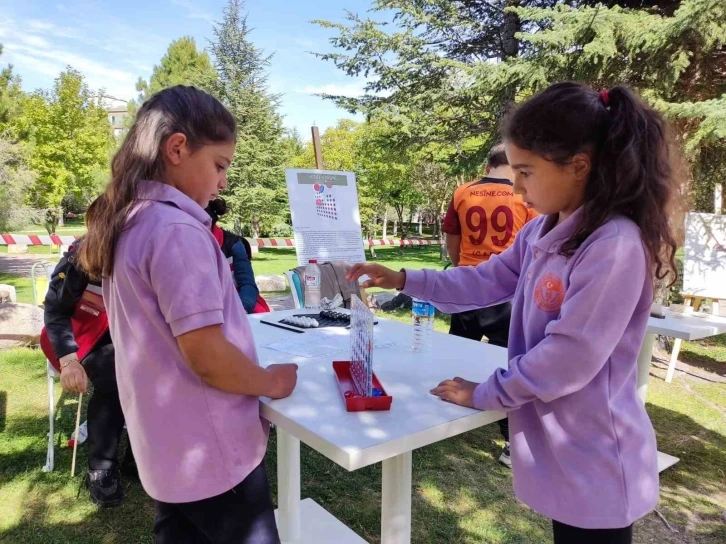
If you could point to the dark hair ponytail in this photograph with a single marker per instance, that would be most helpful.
(632, 173)
(216, 209)
(199, 116)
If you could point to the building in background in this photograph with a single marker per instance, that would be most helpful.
(117, 116)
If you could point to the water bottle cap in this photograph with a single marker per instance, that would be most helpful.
(313, 261)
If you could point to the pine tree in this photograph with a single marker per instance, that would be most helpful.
(436, 82)
(257, 193)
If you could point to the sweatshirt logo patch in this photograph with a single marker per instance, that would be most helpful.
(549, 293)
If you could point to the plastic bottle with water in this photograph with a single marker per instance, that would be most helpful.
(312, 285)
(422, 314)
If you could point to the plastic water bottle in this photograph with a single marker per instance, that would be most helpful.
(423, 325)
(312, 285)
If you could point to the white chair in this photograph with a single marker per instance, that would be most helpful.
(296, 294)
(51, 373)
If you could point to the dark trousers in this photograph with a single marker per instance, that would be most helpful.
(492, 322)
(242, 515)
(105, 418)
(566, 534)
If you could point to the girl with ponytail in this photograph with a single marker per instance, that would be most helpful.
(188, 377)
(596, 165)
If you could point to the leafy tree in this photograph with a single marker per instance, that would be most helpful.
(15, 178)
(182, 64)
(68, 137)
(257, 194)
(11, 95)
(450, 69)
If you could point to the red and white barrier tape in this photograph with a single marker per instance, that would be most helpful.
(55, 240)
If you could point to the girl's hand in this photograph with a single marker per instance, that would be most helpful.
(284, 379)
(457, 391)
(379, 275)
(73, 378)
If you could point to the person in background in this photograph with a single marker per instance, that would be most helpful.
(84, 352)
(238, 253)
(483, 219)
(598, 166)
(188, 374)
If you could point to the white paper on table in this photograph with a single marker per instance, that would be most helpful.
(305, 347)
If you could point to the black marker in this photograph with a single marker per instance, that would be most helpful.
(280, 326)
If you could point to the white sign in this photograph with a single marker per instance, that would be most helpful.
(325, 216)
(704, 266)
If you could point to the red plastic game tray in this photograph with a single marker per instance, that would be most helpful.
(357, 403)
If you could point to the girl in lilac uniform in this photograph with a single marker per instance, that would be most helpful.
(188, 377)
(597, 167)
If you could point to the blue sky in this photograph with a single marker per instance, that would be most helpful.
(114, 42)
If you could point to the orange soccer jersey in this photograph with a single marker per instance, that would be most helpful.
(487, 214)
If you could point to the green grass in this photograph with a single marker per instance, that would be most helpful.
(22, 287)
(460, 494)
(708, 350)
(49, 252)
(278, 261)
(71, 228)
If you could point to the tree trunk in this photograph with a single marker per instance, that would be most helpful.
(661, 293)
(255, 226)
(399, 213)
(237, 228)
(395, 228)
(420, 224)
(510, 27)
(385, 223)
(510, 49)
(443, 253)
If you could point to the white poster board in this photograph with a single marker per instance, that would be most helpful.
(325, 216)
(704, 266)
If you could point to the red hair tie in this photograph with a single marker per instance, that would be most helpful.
(605, 98)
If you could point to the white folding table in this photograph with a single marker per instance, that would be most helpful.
(315, 414)
(682, 327)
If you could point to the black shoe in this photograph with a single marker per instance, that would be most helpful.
(104, 487)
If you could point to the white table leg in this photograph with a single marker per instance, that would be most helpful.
(644, 358)
(674, 359)
(396, 500)
(288, 486)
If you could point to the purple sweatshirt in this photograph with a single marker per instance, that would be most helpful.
(583, 447)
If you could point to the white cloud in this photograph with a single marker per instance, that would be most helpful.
(193, 11)
(47, 28)
(46, 68)
(34, 41)
(29, 47)
(342, 89)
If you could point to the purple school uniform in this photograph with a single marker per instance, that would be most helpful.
(190, 440)
(583, 447)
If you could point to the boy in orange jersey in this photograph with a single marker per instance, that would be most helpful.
(482, 220)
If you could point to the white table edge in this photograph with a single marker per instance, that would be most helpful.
(357, 459)
(699, 327)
